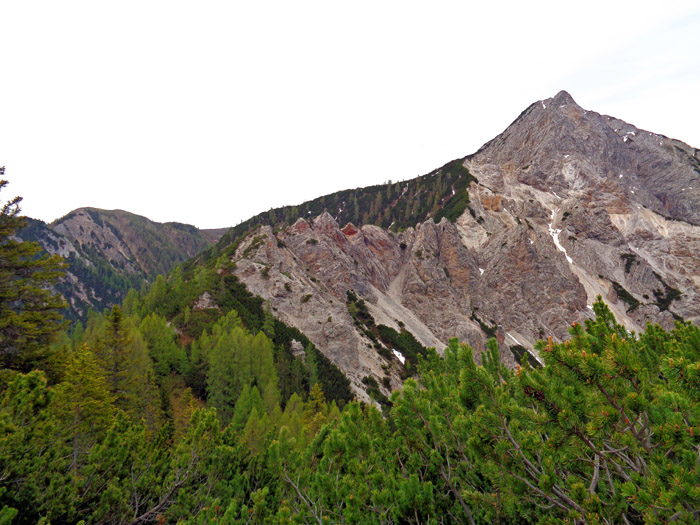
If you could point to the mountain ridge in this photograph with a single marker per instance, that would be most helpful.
(110, 251)
(548, 224)
(513, 241)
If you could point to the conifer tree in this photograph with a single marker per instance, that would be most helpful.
(166, 354)
(256, 430)
(268, 327)
(242, 410)
(123, 356)
(316, 410)
(82, 403)
(28, 454)
(29, 311)
(229, 370)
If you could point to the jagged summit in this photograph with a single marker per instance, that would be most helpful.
(556, 146)
(563, 98)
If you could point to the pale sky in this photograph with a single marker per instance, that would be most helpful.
(210, 112)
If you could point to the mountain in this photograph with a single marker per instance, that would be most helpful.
(514, 241)
(110, 251)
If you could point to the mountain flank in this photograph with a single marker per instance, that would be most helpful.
(515, 242)
(110, 251)
(565, 205)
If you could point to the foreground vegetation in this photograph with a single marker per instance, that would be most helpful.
(607, 431)
(157, 411)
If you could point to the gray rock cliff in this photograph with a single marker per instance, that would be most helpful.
(569, 205)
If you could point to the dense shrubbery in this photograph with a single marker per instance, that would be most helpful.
(607, 431)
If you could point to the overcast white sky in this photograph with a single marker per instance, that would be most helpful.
(209, 112)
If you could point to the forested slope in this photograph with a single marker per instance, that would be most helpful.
(606, 431)
(190, 403)
(395, 205)
(110, 251)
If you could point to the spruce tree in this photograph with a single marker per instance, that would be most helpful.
(30, 314)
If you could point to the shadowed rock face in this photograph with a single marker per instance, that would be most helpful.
(569, 205)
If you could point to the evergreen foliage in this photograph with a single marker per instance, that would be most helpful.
(157, 248)
(29, 311)
(386, 338)
(606, 431)
(398, 205)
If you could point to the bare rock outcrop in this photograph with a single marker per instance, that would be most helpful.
(569, 205)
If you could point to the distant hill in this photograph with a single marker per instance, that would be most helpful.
(110, 251)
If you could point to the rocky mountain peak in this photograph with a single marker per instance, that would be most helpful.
(563, 206)
(563, 98)
(559, 148)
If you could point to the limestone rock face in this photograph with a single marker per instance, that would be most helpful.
(569, 205)
(623, 203)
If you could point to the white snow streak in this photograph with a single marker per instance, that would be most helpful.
(400, 356)
(481, 271)
(513, 338)
(555, 237)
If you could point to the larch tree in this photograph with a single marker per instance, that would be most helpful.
(82, 403)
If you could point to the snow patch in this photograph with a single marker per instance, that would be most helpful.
(545, 107)
(589, 306)
(555, 194)
(453, 191)
(555, 237)
(513, 338)
(620, 175)
(399, 356)
(481, 271)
